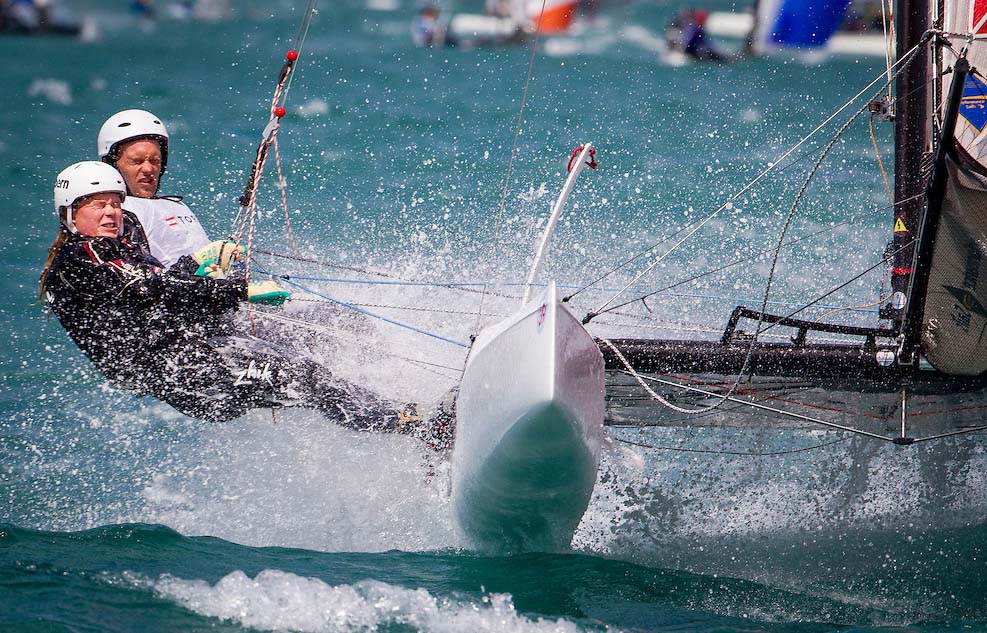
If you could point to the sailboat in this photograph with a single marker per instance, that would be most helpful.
(529, 419)
(509, 21)
(793, 24)
(533, 396)
(918, 373)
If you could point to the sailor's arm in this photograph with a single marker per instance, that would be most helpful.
(105, 267)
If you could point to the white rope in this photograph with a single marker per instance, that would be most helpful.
(317, 327)
(651, 392)
(755, 405)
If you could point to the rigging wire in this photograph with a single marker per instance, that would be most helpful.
(284, 199)
(245, 219)
(903, 63)
(356, 308)
(391, 306)
(756, 405)
(746, 259)
(311, 10)
(790, 164)
(880, 162)
(767, 291)
(398, 280)
(676, 449)
(510, 163)
(787, 224)
(723, 397)
(736, 262)
(888, 257)
(464, 286)
(428, 366)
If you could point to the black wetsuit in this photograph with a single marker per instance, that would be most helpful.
(170, 334)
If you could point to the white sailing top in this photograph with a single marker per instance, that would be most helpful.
(171, 228)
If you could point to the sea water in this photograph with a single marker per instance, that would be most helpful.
(119, 514)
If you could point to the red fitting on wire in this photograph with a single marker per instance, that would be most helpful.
(592, 158)
(291, 55)
(279, 112)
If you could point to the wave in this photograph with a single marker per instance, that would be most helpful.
(101, 575)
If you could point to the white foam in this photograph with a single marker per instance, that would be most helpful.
(382, 5)
(54, 90)
(694, 499)
(313, 108)
(302, 481)
(277, 601)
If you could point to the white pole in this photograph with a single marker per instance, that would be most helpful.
(554, 218)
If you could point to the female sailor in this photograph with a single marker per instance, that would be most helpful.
(135, 142)
(166, 332)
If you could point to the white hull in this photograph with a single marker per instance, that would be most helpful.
(739, 25)
(529, 428)
(468, 27)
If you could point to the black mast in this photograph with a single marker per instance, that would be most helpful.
(911, 140)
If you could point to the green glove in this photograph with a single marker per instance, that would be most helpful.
(266, 292)
(214, 258)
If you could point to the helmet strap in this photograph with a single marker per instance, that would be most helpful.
(68, 221)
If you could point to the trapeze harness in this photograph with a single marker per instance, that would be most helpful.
(171, 228)
(170, 334)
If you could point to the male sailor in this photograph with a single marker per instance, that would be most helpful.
(168, 333)
(135, 142)
(426, 31)
(687, 33)
(697, 44)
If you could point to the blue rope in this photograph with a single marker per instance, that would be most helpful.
(290, 280)
(367, 312)
(465, 284)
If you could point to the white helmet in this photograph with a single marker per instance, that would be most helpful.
(84, 179)
(131, 125)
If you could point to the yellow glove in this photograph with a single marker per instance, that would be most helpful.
(214, 258)
(266, 292)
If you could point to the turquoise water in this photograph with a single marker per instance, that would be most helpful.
(118, 514)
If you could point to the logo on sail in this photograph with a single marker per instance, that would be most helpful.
(973, 105)
(966, 304)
